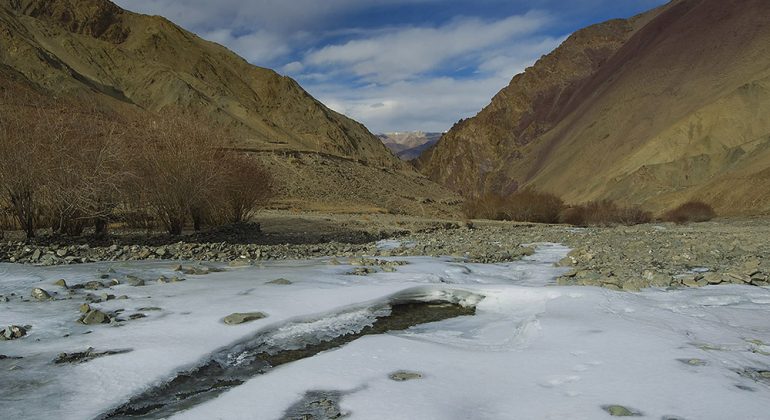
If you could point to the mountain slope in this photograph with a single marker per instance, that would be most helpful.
(94, 52)
(667, 106)
(94, 49)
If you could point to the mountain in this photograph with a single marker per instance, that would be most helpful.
(98, 53)
(409, 145)
(654, 110)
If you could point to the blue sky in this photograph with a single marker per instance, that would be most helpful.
(394, 65)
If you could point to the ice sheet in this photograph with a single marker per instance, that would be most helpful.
(530, 352)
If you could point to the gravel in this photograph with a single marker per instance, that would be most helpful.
(621, 258)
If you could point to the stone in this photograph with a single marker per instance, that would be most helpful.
(93, 285)
(404, 375)
(281, 281)
(240, 262)
(94, 317)
(712, 278)
(40, 294)
(134, 281)
(243, 317)
(620, 411)
(60, 283)
(13, 332)
(85, 308)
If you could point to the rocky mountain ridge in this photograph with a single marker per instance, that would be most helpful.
(654, 110)
(96, 53)
(96, 50)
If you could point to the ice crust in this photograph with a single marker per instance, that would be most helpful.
(534, 350)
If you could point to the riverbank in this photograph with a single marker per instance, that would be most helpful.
(623, 258)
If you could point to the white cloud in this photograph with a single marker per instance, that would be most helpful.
(284, 16)
(256, 47)
(406, 52)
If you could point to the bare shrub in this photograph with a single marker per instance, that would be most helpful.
(532, 206)
(28, 134)
(245, 184)
(523, 206)
(180, 165)
(91, 171)
(604, 213)
(487, 206)
(691, 211)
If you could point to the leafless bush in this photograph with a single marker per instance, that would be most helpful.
(523, 206)
(91, 171)
(178, 167)
(487, 206)
(28, 134)
(691, 211)
(532, 206)
(604, 213)
(245, 184)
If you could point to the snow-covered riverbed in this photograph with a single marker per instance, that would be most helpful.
(532, 351)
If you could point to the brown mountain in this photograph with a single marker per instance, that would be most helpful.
(93, 47)
(102, 54)
(667, 106)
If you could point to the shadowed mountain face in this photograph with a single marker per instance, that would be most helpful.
(96, 50)
(667, 106)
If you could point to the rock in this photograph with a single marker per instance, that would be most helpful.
(137, 316)
(178, 267)
(93, 285)
(85, 356)
(12, 332)
(694, 281)
(620, 411)
(281, 281)
(404, 375)
(712, 278)
(243, 317)
(60, 283)
(85, 308)
(40, 294)
(240, 262)
(94, 317)
(134, 281)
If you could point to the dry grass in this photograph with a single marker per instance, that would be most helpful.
(691, 211)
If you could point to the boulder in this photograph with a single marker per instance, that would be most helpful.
(243, 317)
(40, 294)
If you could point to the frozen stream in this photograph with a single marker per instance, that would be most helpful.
(532, 350)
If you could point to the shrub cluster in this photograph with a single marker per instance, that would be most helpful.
(604, 213)
(522, 206)
(539, 207)
(691, 211)
(68, 167)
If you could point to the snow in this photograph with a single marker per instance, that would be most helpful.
(533, 349)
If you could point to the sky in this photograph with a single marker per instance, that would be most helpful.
(394, 65)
